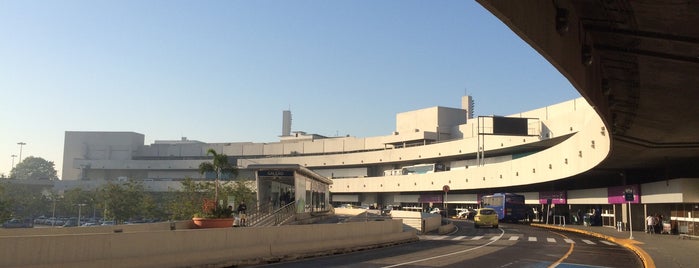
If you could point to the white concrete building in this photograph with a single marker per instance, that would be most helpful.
(546, 154)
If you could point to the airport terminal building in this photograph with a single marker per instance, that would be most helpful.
(436, 157)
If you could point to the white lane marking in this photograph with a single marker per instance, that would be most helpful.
(458, 237)
(477, 238)
(494, 238)
(607, 242)
(514, 237)
(551, 240)
(502, 232)
(588, 242)
(569, 241)
(532, 239)
(440, 237)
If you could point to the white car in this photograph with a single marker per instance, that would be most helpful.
(465, 213)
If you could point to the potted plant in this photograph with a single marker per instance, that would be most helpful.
(214, 216)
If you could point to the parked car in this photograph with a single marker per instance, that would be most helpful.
(386, 210)
(485, 217)
(439, 211)
(70, 223)
(465, 213)
(18, 223)
(40, 220)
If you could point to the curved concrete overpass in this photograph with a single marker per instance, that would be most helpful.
(636, 63)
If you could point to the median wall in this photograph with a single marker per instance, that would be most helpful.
(420, 221)
(194, 247)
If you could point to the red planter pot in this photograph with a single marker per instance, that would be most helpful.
(213, 223)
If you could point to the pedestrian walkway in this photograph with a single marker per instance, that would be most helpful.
(655, 250)
(516, 238)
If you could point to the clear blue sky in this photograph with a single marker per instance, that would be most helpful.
(223, 71)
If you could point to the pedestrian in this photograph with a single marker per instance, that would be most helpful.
(241, 212)
(650, 224)
(580, 216)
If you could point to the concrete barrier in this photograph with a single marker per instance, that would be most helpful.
(46, 230)
(349, 211)
(193, 247)
(447, 228)
(428, 222)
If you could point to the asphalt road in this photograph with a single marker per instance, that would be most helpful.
(511, 245)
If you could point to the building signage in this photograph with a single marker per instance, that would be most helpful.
(618, 194)
(275, 173)
(553, 197)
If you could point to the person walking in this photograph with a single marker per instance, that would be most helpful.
(650, 224)
(241, 212)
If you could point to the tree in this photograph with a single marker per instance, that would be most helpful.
(5, 210)
(25, 200)
(241, 192)
(34, 168)
(123, 201)
(219, 166)
(74, 197)
(187, 202)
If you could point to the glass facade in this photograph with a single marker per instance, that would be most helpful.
(278, 187)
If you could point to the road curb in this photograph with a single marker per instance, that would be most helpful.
(646, 259)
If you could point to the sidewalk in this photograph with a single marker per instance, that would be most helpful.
(655, 250)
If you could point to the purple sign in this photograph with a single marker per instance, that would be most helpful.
(615, 195)
(557, 197)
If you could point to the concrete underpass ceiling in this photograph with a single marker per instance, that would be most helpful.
(644, 75)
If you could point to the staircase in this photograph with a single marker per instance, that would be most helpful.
(267, 215)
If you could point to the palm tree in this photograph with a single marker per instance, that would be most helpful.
(220, 165)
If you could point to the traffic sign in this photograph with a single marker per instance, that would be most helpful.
(628, 195)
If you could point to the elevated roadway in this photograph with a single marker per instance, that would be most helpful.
(637, 63)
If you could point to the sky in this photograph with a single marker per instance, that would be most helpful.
(223, 71)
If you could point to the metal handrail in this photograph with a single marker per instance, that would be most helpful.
(266, 213)
(258, 211)
(284, 213)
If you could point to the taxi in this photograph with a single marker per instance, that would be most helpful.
(485, 217)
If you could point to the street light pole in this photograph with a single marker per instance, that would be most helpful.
(630, 222)
(20, 150)
(79, 208)
(629, 196)
(53, 215)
